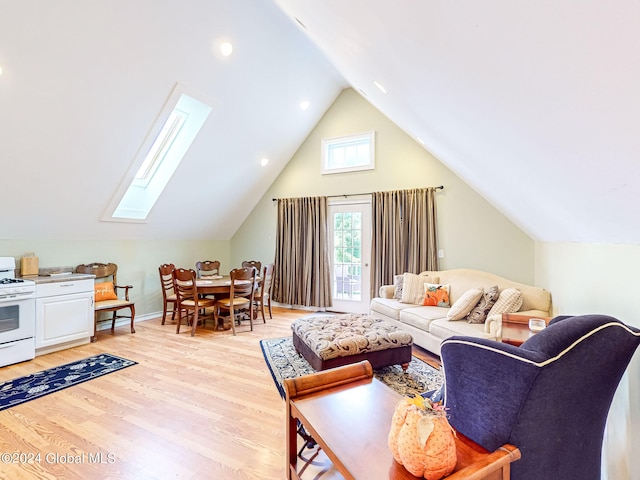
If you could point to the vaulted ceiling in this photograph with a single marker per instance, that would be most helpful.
(534, 104)
(83, 82)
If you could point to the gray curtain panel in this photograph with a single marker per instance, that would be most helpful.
(404, 234)
(302, 274)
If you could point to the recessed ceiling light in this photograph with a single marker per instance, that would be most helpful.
(304, 104)
(0, 70)
(264, 162)
(226, 48)
(380, 87)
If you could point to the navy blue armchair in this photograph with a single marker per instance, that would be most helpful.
(549, 397)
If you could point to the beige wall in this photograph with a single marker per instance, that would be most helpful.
(602, 278)
(137, 261)
(472, 233)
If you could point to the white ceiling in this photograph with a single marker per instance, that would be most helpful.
(83, 83)
(534, 104)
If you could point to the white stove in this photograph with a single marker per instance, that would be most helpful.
(17, 315)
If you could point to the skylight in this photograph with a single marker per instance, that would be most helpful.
(159, 156)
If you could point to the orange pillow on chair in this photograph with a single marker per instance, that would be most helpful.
(104, 291)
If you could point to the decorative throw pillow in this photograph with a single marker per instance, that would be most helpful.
(436, 295)
(464, 304)
(479, 313)
(413, 287)
(398, 282)
(509, 301)
(104, 291)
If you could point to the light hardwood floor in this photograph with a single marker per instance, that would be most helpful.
(193, 408)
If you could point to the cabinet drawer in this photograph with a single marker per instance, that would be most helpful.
(14, 352)
(63, 288)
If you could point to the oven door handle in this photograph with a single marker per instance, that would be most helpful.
(15, 298)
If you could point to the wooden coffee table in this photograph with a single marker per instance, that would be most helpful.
(348, 413)
(515, 328)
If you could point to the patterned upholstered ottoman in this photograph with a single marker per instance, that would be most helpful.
(330, 341)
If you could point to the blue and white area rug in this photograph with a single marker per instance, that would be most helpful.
(284, 362)
(22, 389)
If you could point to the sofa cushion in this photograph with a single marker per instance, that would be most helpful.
(442, 328)
(465, 303)
(509, 301)
(436, 295)
(413, 287)
(478, 314)
(388, 307)
(421, 317)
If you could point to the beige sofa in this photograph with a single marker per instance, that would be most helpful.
(429, 325)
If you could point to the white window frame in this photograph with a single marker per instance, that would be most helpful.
(331, 144)
(162, 150)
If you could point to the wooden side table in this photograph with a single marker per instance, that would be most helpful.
(348, 413)
(515, 328)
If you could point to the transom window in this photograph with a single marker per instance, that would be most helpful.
(349, 153)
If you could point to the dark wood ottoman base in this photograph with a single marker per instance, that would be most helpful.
(378, 359)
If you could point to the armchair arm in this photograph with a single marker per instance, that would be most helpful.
(486, 384)
(493, 325)
(126, 290)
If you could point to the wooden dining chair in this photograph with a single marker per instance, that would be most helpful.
(106, 297)
(207, 267)
(168, 294)
(241, 291)
(262, 295)
(184, 284)
(253, 263)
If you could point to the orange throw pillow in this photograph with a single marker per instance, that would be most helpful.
(104, 291)
(436, 295)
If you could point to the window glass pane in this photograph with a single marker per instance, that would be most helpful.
(347, 221)
(337, 221)
(356, 238)
(357, 221)
(345, 154)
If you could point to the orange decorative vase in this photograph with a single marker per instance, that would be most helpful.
(421, 438)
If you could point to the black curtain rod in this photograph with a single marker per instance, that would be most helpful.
(441, 187)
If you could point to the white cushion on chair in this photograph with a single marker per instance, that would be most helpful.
(236, 301)
(111, 303)
(203, 302)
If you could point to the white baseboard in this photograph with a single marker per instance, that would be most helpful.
(106, 323)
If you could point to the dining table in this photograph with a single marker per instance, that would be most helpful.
(220, 287)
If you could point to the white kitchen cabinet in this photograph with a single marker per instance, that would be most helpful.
(64, 314)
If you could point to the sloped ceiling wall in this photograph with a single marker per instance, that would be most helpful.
(534, 104)
(83, 82)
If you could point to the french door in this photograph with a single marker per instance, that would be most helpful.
(350, 243)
